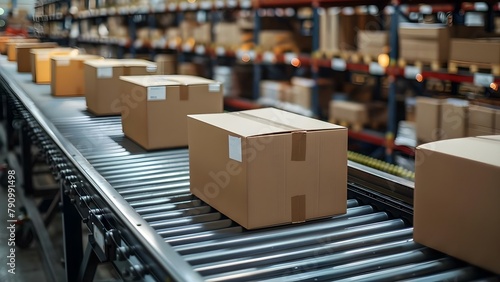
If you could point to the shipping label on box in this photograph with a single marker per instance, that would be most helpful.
(456, 199)
(268, 167)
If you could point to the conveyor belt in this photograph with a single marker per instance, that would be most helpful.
(371, 242)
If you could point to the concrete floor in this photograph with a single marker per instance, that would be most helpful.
(29, 265)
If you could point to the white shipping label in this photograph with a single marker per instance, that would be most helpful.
(156, 93)
(62, 63)
(105, 72)
(483, 79)
(339, 64)
(235, 148)
(214, 87)
(376, 69)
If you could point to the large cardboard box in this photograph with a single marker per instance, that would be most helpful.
(456, 207)
(347, 111)
(155, 108)
(479, 51)
(454, 118)
(24, 63)
(268, 167)
(424, 42)
(67, 69)
(428, 119)
(14, 47)
(40, 62)
(102, 82)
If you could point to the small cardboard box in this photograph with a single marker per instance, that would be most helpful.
(40, 62)
(347, 111)
(69, 68)
(373, 43)
(428, 119)
(454, 118)
(10, 46)
(102, 82)
(302, 92)
(456, 207)
(481, 116)
(155, 108)
(23, 54)
(424, 42)
(479, 51)
(167, 64)
(275, 90)
(268, 167)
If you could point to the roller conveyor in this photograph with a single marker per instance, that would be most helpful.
(143, 219)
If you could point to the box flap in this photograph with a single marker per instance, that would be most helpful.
(484, 149)
(263, 122)
(150, 80)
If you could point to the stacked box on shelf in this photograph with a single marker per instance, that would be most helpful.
(227, 35)
(277, 41)
(276, 176)
(464, 173)
(373, 43)
(274, 91)
(41, 65)
(352, 113)
(155, 107)
(454, 115)
(69, 68)
(5, 40)
(428, 119)
(425, 43)
(481, 53)
(481, 120)
(102, 82)
(303, 89)
(166, 64)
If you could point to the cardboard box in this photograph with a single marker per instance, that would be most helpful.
(454, 118)
(40, 62)
(188, 69)
(278, 41)
(24, 57)
(13, 48)
(479, 51)
(428, 119)
(102, 82)
(69, 68)
(203, 34)
(156, 107)
(302, 92)
(373, 43)
(346, 111)
(227, 34)
(482, 116)
(275, 90)
(424, 42)
(456, 199)
(268, 167)
(166, 64)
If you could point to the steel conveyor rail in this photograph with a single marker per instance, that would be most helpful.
(143, 219)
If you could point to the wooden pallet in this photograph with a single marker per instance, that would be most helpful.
(364, 58)
(433, 65)
(455, 66)
(325, 54)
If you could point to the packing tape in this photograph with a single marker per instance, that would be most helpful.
(183, 93)
(299, 142)
(298, 208)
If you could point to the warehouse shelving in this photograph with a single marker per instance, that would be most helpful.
(313, 60)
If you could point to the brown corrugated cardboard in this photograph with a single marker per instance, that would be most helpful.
(456, 199)
(155, 108)
(278, 41)
(40, 62)
(23, 54)
(167, 64)
(227, 34)
(346, 111)
(480, 51)
(10, 47)
(424, 42)
(428, 115)
(187, 69)
(268, 167)
(4, 39)
(65, 69)
(275, 90)
(481, 116)
(102, 82)
(373, 43)
(454, 118)
(302, 92)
